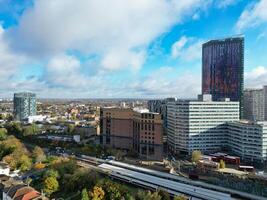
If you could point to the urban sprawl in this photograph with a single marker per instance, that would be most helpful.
(210, 147)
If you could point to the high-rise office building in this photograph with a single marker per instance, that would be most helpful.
(24, 105)
(223, 69)
(199, 124)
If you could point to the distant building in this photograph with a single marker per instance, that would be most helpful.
(248, 140)
(24, 105)
(223, 69)
(132, 129)
(160, 106)
(255, 102)
(199, 124)
(35, 118)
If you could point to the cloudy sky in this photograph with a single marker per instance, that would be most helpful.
(122, 48)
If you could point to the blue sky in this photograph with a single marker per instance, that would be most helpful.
(122, 48)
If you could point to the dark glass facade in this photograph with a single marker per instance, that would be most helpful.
(223, 69)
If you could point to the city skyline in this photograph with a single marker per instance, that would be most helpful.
(135, 49)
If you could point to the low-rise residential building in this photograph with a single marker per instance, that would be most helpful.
(199, 124)
(13, 189)
(248, 140)
(132, 129)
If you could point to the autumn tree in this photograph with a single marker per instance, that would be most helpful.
(180, 197)
(38, 154)
(98, 193)
(148, 195)
(222, 164)
(50, 185)
(24, 163)
(196, 156)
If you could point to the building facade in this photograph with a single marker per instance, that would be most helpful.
(132, 129)
(160, 106)
(248, 140)
(254, 104)
(199, 124)
(24, 105)
(223, 69)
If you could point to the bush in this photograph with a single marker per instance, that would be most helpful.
(39, 166)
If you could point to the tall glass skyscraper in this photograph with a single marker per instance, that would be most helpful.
(223, 69)
(24, 105)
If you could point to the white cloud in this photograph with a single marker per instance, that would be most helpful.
(9, 62)
(253, 15)
(225, 3)
(188, 49)
(103, 27)
(256, 78)
(161, 84)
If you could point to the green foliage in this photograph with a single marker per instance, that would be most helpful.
(50, 185)
(80, 179)
(196, 155)
(13, 152)
(30, 130)
(84, 194)
(14, 128)
(70, 129)
(3, 134)
(113, 190)
(51, 159)
(222, 164)
(164, 195)
(144, 195)
(38, 154)
(51, 173)
(65, 167)
(5, 150)
(24, 163)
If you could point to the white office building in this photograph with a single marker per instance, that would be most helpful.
(199, 124)
(248, 140)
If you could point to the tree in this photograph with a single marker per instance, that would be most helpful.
(164, 195)
(144, 195)
(24, 163)
(3, 133)
(14, 128)
(196, 156)
(222, 164)
(50, 185)
(30, 130)
(70, 128)
(38, 154)
(51, 173)
(98, 193)
(180, 197)
(85, 194)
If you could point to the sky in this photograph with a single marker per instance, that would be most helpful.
(122, 48)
